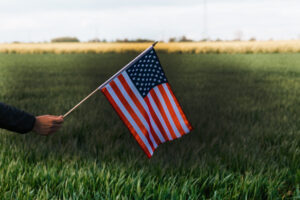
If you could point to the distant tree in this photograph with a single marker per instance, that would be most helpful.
(95, 40)
(172, 39)
(65, 39)
(142, 40)
(134, 40)
(185, 39)
(205, 40)
(252, 39)
(122, 40)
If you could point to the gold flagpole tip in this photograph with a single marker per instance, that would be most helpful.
(154, 43)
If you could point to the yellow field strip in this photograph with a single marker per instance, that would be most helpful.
(190, 47)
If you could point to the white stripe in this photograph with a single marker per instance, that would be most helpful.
(127, 115)
(142, 101)
(163, 103)
(157, 112)
(135, 109)
(182, 123)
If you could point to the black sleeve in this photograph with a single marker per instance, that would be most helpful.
(15, 120)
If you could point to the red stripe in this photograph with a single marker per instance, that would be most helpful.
(126, 122)
(156, 119)
(162, 111)
(171, 110)
(139, 106)
(131, 112)
(179, 108)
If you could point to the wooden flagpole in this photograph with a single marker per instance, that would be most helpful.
(111, 78)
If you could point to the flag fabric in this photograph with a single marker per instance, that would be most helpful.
(142, 97)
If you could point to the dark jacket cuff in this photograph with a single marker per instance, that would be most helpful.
(15, 120)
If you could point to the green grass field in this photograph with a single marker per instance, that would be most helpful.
(245, 144)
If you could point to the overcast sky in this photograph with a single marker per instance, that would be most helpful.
(41, 20)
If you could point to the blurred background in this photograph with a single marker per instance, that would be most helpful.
(168, 20)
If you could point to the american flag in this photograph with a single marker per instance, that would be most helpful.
(142, 97)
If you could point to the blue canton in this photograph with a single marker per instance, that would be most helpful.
(146, 73)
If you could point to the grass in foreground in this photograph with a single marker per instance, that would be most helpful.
(245, 144)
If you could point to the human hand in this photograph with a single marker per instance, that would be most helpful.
(47, 124)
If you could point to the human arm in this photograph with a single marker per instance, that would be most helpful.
(19, 121)
(15, 120)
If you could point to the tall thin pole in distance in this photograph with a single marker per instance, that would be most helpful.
(204, 20)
